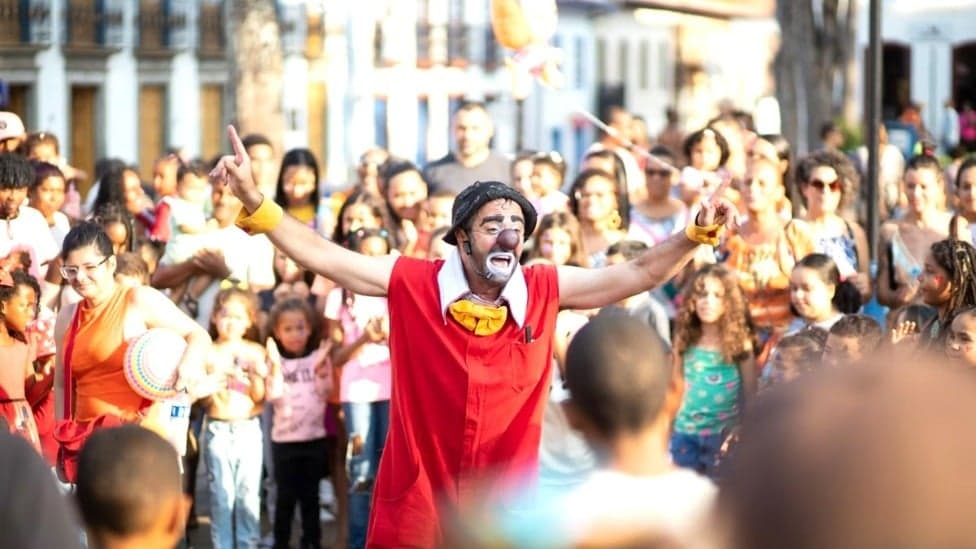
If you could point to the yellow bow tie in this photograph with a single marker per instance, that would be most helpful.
(481, 319)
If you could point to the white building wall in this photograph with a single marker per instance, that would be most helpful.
(51, 89)
(183, 102)
(120, 95)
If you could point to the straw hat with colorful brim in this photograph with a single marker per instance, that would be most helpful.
(472, 198)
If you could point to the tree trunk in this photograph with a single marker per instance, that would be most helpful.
(254, 48)
(815, 51)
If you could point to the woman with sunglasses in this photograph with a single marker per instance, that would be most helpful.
(91, 390)
(823, 179)
(659, 214)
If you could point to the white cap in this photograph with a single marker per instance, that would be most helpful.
(10, 126)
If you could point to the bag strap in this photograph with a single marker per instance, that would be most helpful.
(69, 344)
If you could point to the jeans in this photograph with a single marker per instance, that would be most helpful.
(369, 421)
(298, 467)
(696, 452)
(233, 457)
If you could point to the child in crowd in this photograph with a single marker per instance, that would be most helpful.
(521, 173)
(405, 191)
(131, 269)
(233, 434)
(548, 172)
(713, 342)
(793, 356)
(961, 342)
(559, 240)
(297, 190)
(129, 490)
(905, 324)
(818, 296)
(187, 220)
(643, 306)
(851, 339)
(290, 281)
(437, 248)
(436, 211)
(707, 152)
(358, 327)
(299, 382)
(17, 372)
(947, 283)
(36, 323)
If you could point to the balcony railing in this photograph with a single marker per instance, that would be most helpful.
(213, 42)
(92, 26)
(455, 44)
(161, 27)
(24, 25)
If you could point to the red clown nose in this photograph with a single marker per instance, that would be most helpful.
(508, 239)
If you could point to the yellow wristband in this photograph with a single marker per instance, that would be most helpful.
(703, 235)
(262, 220)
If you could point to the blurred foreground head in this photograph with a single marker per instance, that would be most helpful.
(874, 456)
(130, 492)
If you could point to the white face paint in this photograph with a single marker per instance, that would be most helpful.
(499, 266)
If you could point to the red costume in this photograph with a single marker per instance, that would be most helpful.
(464, 409)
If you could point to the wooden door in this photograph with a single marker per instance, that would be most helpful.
(211, 121)
(152, 126)
(83, 145)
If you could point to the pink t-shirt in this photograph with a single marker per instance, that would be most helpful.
(298, 396)
(366, 377)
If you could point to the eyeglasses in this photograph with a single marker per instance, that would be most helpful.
(70, 272)
(822, 185)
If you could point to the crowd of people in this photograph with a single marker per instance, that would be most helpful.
(636, 336)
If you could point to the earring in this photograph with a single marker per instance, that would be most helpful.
(615, 221)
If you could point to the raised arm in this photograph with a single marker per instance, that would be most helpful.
(359, 273)
(593, 288)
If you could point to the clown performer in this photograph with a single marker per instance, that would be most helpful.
(470, 340)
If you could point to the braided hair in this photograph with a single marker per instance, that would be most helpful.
(958, 259)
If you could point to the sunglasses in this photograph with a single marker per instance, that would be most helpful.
(822, 185)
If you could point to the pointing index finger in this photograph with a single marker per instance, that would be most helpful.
(236, 144)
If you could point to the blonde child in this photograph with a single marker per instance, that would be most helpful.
(713, 342)
(299, 384)
(233, 432)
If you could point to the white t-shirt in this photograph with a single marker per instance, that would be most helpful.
(60, 228)
(675, 505)
(249, 258)
(31, 229)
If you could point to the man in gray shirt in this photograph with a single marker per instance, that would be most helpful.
(473, 160)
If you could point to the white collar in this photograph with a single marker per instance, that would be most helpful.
(453, 285)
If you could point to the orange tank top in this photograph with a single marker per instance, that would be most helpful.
(97, 360)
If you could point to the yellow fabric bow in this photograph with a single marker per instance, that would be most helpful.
(481, 319)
